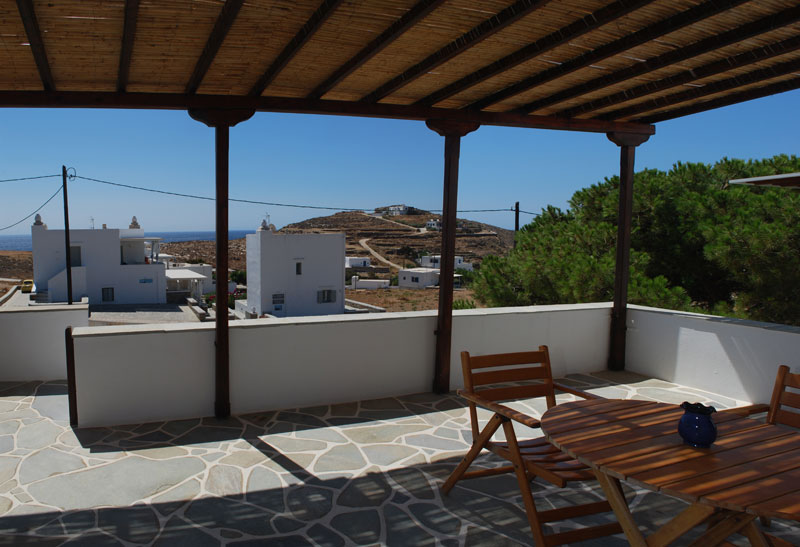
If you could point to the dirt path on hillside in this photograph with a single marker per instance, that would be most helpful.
(406, 226)
(363, 243)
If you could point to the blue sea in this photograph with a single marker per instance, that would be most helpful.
(23, 242)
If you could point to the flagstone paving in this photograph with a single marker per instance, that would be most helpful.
(365, 473)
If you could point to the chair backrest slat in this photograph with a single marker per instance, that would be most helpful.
(509, 375)
(507, 359)
(792, 419)
(513, 368)
(781, 397)
(792, 380)
(791, 399)
(516, 392)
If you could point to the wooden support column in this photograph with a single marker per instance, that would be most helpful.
(222, 121)
(627, 143)
(452, 133)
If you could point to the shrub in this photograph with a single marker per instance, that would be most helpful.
(465, 304)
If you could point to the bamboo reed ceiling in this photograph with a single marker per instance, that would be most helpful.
(585, 61)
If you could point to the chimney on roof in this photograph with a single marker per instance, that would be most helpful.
(37, 221)
(104, 226)
(263, 227)
(134, 224)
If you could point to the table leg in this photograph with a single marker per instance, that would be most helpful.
(718, 533)
(688, 518)
(616, 499)
(755, 535)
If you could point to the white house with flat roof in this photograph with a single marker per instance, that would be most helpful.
(356, 262)
(291, 275)
(417, 278)
(434, 261)
(109, 266)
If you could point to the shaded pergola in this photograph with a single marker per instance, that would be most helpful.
(602, 66)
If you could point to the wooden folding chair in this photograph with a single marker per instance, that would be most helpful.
(781, 398)
(777, 414)
(505, 376)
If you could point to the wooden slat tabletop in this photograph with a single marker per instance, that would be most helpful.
(752, 467)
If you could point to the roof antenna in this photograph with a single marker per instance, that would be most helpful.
(91, 219)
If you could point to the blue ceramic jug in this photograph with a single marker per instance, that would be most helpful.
(696, 427)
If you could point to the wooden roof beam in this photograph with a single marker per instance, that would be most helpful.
(181, 101)
(728, 100)
(305, 33)
(738, 34)
(768, 73)
(710, 69)
(221, 27)
(670, 24)
(409, 19)
(511, 14)
(594, 20)
(126, 48)
(28, 16)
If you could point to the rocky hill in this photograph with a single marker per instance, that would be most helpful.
(396, 237)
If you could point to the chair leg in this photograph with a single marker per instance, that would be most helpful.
(477, 446)
(524, 484)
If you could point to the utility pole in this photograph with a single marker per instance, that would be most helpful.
(516, 223)
(66, 235)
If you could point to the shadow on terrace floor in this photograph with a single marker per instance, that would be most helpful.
(357, 473)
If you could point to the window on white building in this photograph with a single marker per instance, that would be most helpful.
(298, 268)
(414, 279)
(108, 294)
(326, 296)
(277, 299)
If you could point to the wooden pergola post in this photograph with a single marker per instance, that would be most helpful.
(452, 133)
(222, 121)
(627, 143)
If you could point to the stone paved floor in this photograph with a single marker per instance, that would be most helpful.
(365, 473)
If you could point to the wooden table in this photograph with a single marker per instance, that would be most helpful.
(752, 469)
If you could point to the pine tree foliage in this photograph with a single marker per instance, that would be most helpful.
(698, 244)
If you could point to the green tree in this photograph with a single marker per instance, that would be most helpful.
(697, 244)
(239, 277)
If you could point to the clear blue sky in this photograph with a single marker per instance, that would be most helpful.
(338, 162)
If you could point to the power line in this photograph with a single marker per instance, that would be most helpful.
(506, 210)
(248, 201)
(30, 178)
(36, 211)
(254, 202)
(529, 213)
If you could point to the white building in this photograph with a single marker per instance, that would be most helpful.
(356, 262)
(196, 279)
(109, 266)
(372, 284)
(295, 274)
(434, 261)
(418, 278)
(433, 224)
(395, 210)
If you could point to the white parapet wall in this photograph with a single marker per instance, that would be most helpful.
(145, 373)
(731, 357)
(32, 343)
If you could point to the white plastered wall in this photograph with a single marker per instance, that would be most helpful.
(32, 343)
(136, 374)
(732, 357)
